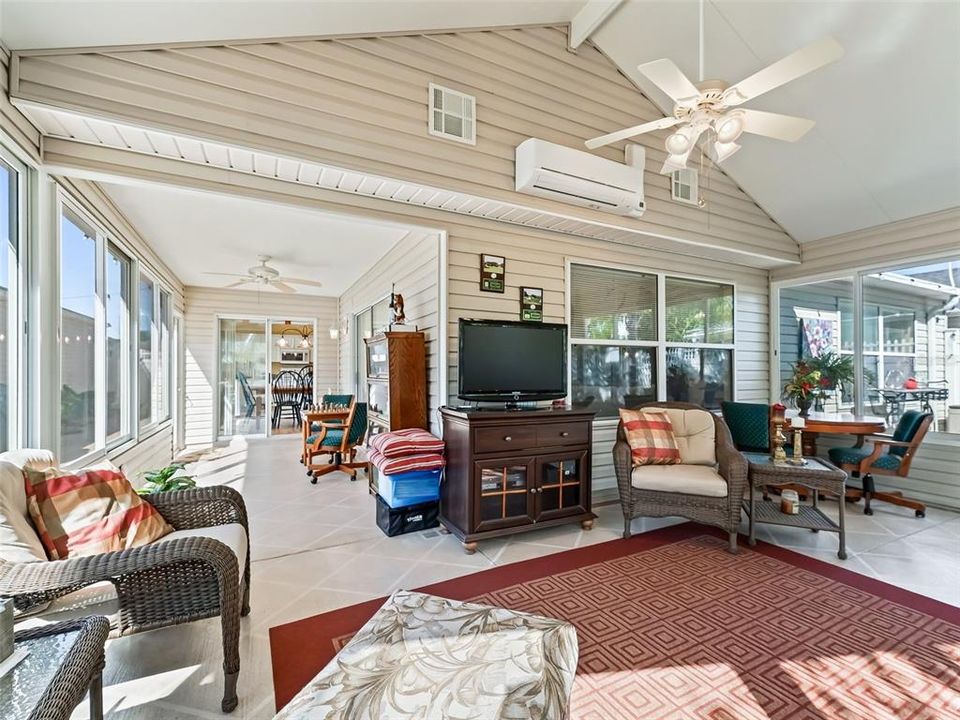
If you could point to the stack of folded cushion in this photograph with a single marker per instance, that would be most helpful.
(409, 463)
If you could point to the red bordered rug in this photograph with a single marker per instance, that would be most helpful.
(670, 625)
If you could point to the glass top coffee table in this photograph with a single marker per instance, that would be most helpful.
(65, 660)
(818, 475)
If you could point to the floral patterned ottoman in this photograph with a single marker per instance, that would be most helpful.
(426, 657)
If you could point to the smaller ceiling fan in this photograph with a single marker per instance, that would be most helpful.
(711, 105)
(263, 274)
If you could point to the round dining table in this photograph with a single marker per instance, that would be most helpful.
(829, 423)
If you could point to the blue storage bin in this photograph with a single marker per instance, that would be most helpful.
(412, 488)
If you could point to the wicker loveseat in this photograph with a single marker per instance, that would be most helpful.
(706, 487)
(190, 574)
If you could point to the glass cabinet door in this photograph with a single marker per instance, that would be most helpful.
(377, 364)
(560, 485)
(506, 493)
(378, 399)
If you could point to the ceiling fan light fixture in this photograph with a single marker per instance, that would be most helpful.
(679, 143)
(729, 128)
(722, 151)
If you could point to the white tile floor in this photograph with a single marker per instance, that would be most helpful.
(317, 548)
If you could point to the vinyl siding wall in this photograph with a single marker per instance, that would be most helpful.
(13, 123)
(361, 104)
(413, 265)
(204, 305)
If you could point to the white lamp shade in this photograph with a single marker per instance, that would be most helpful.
(678, 143)
(724, 150)
(729, 128)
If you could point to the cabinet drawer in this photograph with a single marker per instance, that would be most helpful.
(507, 437)
(551, 434)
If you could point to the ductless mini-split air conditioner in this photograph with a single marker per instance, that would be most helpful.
(580, 178)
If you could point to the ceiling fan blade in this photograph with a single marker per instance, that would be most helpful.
(794, 65)
(301, 281)
(630, 132)
(237, 275)
(775, 125)
(667, 76)
(282, 286)
(236, 284)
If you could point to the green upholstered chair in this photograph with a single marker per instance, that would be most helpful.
(886, 455)
(331, 439)
(344, 400)
(749, 425)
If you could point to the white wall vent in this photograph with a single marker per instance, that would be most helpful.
(453, 115)
(684, 186)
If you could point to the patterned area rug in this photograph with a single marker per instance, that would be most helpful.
(672, 626)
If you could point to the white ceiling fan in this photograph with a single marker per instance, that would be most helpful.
(263, 274)
(712, 105)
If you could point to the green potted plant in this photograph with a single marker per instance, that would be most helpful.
(166, 479)
(803, 386)
(836, 370)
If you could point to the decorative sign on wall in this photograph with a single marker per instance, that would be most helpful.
(492, 269)
(531, 304)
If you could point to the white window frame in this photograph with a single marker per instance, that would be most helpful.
(660, 344)
(160, 378)
(16, 300)
(694, 185)
(128, 367)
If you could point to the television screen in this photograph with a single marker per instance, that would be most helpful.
(503, 361)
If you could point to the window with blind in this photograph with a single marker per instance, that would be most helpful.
(618, 357)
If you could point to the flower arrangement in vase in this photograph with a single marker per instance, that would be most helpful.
(803, 387)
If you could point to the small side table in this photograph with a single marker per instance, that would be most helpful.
(65, 661)
(817, 475)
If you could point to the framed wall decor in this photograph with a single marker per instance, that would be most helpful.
(531, 304)
(492, 271)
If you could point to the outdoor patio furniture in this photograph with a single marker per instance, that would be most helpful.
(704, 494)
(190, 574)
(64, 664)
(888, 455)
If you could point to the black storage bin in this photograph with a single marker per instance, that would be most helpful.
(412, 518)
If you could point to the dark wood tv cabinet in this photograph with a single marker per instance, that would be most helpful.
(509, 471)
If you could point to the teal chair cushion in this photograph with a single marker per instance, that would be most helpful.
(854, 456)
(906, 429)
(749, 425)
(333, 438)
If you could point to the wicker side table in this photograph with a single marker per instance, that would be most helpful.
(817, 475)
(65, 661)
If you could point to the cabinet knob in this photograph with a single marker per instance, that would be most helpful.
(533, 490)
(507, 438)
(564, 434)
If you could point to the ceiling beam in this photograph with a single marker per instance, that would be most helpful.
(591, 16)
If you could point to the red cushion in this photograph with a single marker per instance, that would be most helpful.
(90, 512)
(650, 436)
(409, 463)
(411, 441)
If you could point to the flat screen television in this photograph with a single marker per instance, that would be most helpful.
(510, 362)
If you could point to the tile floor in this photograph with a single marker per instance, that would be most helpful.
(316, 548)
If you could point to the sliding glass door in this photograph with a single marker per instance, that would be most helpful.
(243, 388)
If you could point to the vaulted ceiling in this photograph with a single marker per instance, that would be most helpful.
(887, 140)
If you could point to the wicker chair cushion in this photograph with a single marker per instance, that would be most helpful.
(232, 535)
(650, 436)
(854, 456)
(89, 512)
(685, 479)
(19, 541)
(695, 433)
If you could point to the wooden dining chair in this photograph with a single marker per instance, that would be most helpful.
(888, 455)
(342, 445)
(286, 396)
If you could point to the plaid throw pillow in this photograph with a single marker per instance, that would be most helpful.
(88, 513)
(650, 435)
(410, 441)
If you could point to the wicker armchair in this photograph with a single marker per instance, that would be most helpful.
(168, 582)
(721, 512)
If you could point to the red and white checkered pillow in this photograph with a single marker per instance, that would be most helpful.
(410, 441)
(651, 439)
(90, 512)
(409, 463)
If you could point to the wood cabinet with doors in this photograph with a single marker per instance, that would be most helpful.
(396, 378)
(512, 471)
